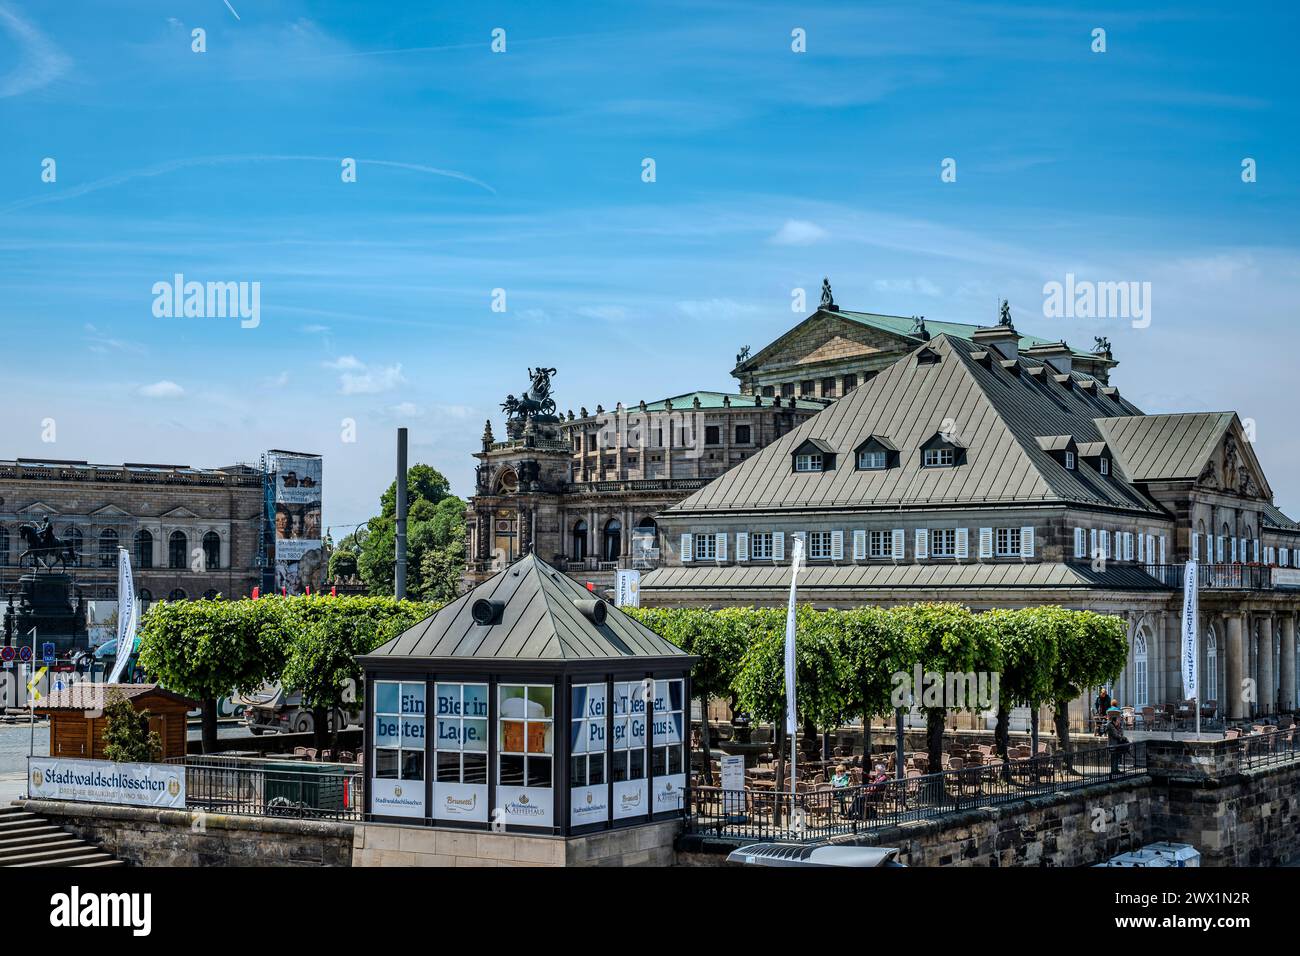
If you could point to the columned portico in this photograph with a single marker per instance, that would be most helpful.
(1287, 657)
(1264, 656)
(1237, 709)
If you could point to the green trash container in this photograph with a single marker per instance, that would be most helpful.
(291, 788)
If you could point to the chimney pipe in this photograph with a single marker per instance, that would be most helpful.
(400, 588)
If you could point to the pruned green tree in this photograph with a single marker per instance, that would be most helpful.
(1092, 649)
(325, 637)
(718, 639)
(820, 672)
(1028, 645)
(875, 648)
(210, 649)
(435, 525)
(127, 737)
(952, 651)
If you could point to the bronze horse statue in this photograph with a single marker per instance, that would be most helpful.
(46, 550)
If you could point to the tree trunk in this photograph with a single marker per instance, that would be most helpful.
(704, 740)
(1002, 731)
(320, 718)
(209, 725)
(1033, 731)
(935, 721)
(899, 745)
(1062, 719)
(811, 742)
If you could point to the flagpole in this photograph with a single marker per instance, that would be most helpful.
(31, 704)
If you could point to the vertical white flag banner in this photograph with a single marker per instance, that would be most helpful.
(791, 725)
(1188, 657)
(125, 614)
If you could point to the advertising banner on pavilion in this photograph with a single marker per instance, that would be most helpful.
(1188, 656)
(297, 498)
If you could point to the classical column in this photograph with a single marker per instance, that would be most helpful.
(1236, 704)
(1160, 690)
(1287, 682)
(1264, 658)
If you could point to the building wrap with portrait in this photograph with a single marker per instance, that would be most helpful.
(296, 499)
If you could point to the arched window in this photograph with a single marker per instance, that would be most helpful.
(146, 598)
(108, 548)
(4, 547)
(177, 595)
(1140, 670)
(178, 551)
(1211, 666)
(211, 551)
(613, 542)
(75, 538)
(580, 541)
(143, 547)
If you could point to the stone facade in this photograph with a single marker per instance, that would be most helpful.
(141, 836)
(583, 494)
(387, 845)
(213, 518)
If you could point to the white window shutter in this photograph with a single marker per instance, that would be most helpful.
(963, 543)
(778, 545)
(1128, 546)
(686, 548)
(1092, 541)
(986, 542)
(1222, 548)
(1105, 544)
(1233, 546)
(1142, 548)
(1286, 555)
(742, 546)
(721, 540)
(899, 545)
(1162, 549)
(1026, 542)
(1257, 550)
(1079, 543)
(859, 546)
(922, 544)
(837, 545)
(1196, 546)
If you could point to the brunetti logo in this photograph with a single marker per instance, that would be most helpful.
(174, 787)
(589, 798)
(460, 806)
(36, 778)
(397, 791)
(630, 801)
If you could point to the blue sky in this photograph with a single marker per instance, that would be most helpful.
(522, 171)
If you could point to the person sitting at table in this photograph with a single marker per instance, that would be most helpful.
(840, 778)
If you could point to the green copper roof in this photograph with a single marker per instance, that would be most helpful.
(904, 326)
(714, 400)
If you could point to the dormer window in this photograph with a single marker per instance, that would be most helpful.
(876, 453)
(1069, 460)
(1103, 466)
(813, 454)
(938, 458)
(942, 450)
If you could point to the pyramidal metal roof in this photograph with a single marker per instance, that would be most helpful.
(539, 621)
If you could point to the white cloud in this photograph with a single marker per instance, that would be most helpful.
(798, 232)
(163, 389)
(920, 286)
(276, 381)
(345, 362)
(371, 381)
(604, 313)
(315, 329)
(406, 410)
(41, 62)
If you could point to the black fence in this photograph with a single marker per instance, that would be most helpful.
(819, 814)
(1268, 749)
(269, 788)
(1236, 577)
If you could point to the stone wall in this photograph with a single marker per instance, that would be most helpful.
(393, 845)
(148, 837)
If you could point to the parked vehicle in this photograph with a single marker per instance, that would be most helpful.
(273, 709)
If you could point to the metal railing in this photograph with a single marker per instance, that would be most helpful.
(1237, 577)
(815, 815)
(270, 788)
(1268, 749)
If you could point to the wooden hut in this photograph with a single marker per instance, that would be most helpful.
(77, 717)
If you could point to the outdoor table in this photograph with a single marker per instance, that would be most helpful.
(288, 756)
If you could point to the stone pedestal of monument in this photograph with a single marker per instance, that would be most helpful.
(47, 603)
